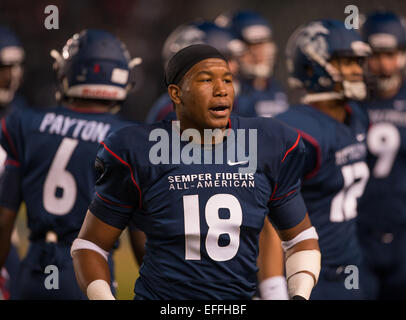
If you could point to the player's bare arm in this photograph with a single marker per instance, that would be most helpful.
(89, 253)
(137, 240)
(271, 277)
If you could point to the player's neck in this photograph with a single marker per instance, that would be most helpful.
(205, 139)
(88, 106)
(333, 108)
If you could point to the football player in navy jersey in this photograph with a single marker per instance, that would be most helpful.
(203, 32)
(11, 69)
(382, 220)
(202, 219)
(50, 160)
(260, 94)
(326, 59)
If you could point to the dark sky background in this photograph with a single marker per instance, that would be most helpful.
(144, 25)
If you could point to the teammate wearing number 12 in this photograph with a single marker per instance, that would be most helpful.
(382, 220)
(202, 234)
(50, 164)
(326, 60)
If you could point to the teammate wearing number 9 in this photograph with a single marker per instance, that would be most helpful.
(382, 220)
(326, 60)
(50, 164)
(202, 221)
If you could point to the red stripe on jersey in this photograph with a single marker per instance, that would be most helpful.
(126, 164)
(316, 145)
(293, 147)
(286, 195)
(12, 162)
(10, 142)
(273, 193)
(113, 203)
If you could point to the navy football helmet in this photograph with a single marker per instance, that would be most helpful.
(94, 64)
(11, 55)
(386, 32)
(201, 32)
(309, 51)
(256, 32)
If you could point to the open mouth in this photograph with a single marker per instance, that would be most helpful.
(219, 110)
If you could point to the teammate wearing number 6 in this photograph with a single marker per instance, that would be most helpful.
(382, 220)
(202, 221)
(326, 60)
(50, 164)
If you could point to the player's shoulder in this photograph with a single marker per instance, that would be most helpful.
(270, 131)
(134, 136)
(308, 120)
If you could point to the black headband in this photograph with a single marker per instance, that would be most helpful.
(186, 58)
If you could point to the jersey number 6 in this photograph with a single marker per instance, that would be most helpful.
(58, 177)
(217, 226)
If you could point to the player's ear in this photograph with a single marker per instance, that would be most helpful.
(174, 92)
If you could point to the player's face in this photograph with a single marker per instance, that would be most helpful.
(351, 68)
(258, 58)
(384, 64)
(206, 96)
(5, 76)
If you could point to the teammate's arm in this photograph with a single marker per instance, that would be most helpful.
(7, 220)
(89, 252)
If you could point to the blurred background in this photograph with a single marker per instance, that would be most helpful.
(144, 25)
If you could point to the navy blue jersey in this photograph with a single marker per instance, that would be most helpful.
(334, 178)
(383, 205)
(50, 165)
(202, 221)
(260, 103)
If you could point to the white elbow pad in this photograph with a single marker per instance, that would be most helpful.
(299, 282)
(79, 244)
(99, 290)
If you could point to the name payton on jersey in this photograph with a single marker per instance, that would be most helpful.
(77, 128)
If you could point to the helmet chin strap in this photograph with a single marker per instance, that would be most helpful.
(322, 96)
(353, 90)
